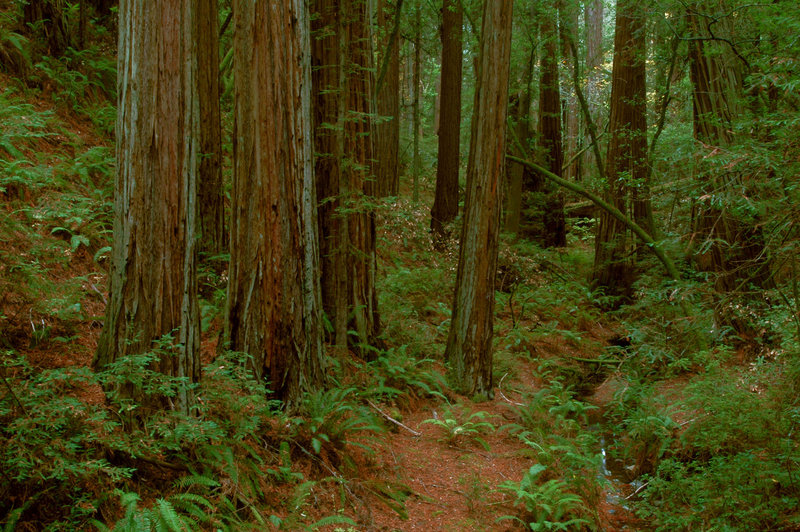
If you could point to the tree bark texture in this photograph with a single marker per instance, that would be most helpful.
(554, 232)
(153, 270)
(415, 103)
(626, 162)
(210, 194)
(593, 21)
(342, 92)
(273, 297)
(445, 202)
(568, 16)
(387, 130)
(469, 344)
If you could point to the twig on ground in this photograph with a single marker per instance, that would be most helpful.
(506, 399)
(390, 418)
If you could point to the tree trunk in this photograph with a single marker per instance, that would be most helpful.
(387, 131)
(273, 295)
(153, 270)
(626, 162)
(342, 87)
(210, 193)
(415, 105)
(469, 344)
(445, 203)
(568, 14)
(49, 22)
(593, 20)
(554, 232)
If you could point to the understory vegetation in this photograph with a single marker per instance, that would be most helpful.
(652, 406)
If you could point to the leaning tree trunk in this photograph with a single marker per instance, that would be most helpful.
(273, 294)
(469, 344)
(153, 270)
(626, 162)
(445, 202)
(387, 130)
(554, 232)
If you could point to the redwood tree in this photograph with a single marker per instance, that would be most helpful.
(342, 96)
(273, 292)
(554, 231)
(445, 203)
(210, 194)
(469, 344)
(387, 129)
(153, 267)
(626, 162)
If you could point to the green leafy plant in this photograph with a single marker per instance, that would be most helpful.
(332, 419)
(548, 505)
(459, 424)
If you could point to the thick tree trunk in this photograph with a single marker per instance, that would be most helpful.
(153, 271)
(445, 202)
(210, 193)
(626, 162)
(387, 130)
(343, 62)
(469, 344)
(273, 296)
(554, 233)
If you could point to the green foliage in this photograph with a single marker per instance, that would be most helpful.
(460, 424)
(332, 419)
(548, 506)
(552, 423)
(396, 376)
(50, 440)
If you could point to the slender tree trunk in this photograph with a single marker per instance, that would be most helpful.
(153, 270)
(417, 87)
(273, 296)
(554, 227)
(568, 16)
(210, 193)
(445, 203)
(593, 20)
(387, 131)
(469, 344)
(626, 162)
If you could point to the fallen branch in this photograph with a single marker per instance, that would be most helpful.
(393, 420)
(500, 389)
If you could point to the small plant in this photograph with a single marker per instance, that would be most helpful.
(547, 506)
(463, 425)
(332, 419)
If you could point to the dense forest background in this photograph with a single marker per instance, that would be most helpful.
(399, 265)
